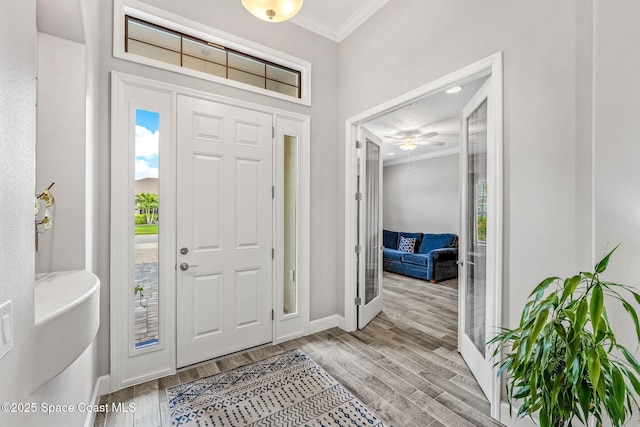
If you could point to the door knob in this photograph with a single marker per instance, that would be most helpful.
(184, 266)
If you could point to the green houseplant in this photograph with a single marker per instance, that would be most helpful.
(563, 361)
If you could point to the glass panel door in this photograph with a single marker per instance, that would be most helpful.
(477, 237)
(372, 232)
(370, 229)
(475, 291)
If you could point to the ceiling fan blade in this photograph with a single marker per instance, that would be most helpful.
(395, 137)
(427, 135)
(431, 143)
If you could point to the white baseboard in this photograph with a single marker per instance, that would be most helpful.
(326, 323)
(103, 386)
(290, 337)
(512, 421)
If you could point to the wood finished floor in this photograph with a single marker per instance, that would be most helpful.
(404, 365)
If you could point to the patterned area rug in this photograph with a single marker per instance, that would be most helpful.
(284, 390)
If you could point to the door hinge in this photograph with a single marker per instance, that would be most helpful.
(273, 131)
(273, 314)
(273, 253)
(358, 301)
(358, 144)
(358, 248)
(273, 191)
(358, 197)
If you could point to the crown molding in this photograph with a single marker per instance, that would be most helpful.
(317, 26)
(337, 34)
(411, 159)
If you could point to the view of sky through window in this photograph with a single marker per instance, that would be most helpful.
(147, 144)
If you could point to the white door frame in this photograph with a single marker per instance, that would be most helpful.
(122, 372)
(491, 65)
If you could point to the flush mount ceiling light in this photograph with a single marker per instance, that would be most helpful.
(454, 89)
(408, 146)
(273, 10)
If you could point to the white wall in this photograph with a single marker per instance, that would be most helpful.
(422, 196)
(60, 151)
(18, 38)
(437, 37)
(617, 145)
(571, 113)
(231, 17)
(18, 41)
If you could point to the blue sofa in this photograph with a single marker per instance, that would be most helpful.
(434, 258)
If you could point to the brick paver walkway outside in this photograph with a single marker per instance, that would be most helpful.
(145, 303)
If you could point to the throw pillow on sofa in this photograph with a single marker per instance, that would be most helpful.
(407, 244)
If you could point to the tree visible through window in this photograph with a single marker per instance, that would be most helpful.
(481, 211)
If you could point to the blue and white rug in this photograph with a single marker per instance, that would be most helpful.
(284, 390)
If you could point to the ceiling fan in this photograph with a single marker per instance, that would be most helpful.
(410, 140)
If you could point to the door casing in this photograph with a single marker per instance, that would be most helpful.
(491, 65)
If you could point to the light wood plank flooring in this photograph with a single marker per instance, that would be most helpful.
(404, 365)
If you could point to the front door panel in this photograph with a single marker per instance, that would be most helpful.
(225, 222)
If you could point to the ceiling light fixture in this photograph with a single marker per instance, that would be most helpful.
(454, 89)
(408, 146)
(273, 10)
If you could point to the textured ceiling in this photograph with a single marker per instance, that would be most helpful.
(439, 112)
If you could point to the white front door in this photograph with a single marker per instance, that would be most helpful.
(370, 228)
(477, 284)
(224, 229)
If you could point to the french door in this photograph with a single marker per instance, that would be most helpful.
(224, 229)
(477, 284)
(369, 228)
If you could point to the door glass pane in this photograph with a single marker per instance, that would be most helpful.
(372, 223)
(290, 204)
(146, 226)
(476, 228)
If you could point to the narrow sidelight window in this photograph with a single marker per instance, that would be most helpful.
(146, 227)
(290, 223)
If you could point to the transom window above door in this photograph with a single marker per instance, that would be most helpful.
(162, 44)
(154, 37)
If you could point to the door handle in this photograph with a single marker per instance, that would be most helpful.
(185, 266)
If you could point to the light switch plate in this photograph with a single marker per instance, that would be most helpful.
(6, 328)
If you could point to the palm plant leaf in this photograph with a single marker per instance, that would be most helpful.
(563, 361)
